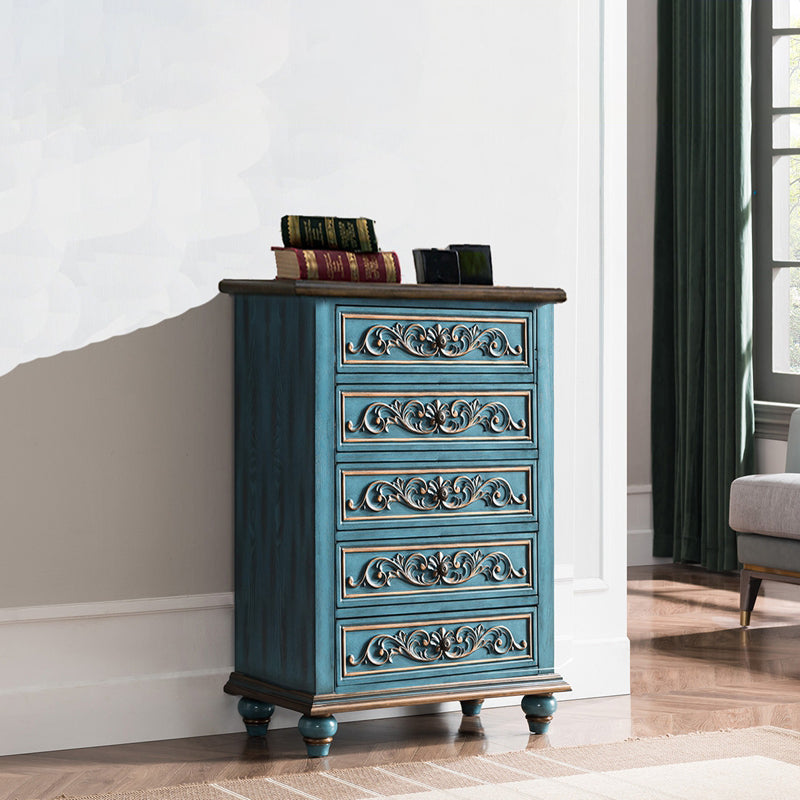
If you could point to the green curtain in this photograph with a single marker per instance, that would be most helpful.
(702, 397)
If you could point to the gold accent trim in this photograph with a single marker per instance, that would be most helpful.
(456, 393)
(527, 544)
(311, 264)
(534, 718)
(431, 317)
(526, 507)
(294, 230)
(353, 262)
(524, 364)
(326, 740)
(771, 571)
(363, 233)
(388, 263)
(330, 232)
(373, 597)
(447, 621)
(438, 544)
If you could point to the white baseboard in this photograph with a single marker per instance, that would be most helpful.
(117, 711)
(640, 527)
(91, 674)
(594, 667)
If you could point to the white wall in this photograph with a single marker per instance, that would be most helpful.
(156, 147)
(642, 69)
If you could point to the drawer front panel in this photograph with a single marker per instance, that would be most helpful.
(372, 420)
(434, 340)
(381, 575)
(416, 649)
(445, 495)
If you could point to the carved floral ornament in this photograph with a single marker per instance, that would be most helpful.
(434, 341)
(440, 644)
(450, 494)
(417, 416)
(450, 569)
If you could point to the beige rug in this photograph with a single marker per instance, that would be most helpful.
(752, 764)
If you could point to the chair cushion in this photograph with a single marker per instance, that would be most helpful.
(767, 504)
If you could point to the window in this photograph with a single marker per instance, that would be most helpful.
(776, 199)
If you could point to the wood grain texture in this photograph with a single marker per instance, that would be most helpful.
(388, 292)
(691, 668)
(275, 490)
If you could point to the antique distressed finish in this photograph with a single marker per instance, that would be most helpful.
(450, 494)
(394, 520)
(454, 341)
(438, 644)
(436, 494)
(379, 574)
(437, 569)
(434, 341)
(436, 416)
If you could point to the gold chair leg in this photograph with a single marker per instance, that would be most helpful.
(744, 618)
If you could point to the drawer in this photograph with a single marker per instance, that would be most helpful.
(373, 576)
(427, 418)
(425, 493)
(429, 647)
(434, 341)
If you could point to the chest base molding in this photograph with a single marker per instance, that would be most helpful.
(324, 704)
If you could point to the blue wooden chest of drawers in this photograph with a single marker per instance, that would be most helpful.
(394, 499)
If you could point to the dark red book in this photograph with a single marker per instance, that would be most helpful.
(336, 265)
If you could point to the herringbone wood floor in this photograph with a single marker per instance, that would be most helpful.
(692, 668)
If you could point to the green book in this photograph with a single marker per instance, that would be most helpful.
(356, 234)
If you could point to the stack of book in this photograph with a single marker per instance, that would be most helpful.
(333, 249)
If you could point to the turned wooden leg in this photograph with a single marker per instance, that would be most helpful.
(256, 715)
(471, 708)
(748, 591)
(317, 733)
(539, 710)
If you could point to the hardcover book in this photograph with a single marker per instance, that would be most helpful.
(474, 263)
(329, 233)
(336, 265)
(436, 266)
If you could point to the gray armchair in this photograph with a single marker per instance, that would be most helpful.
(765, 513)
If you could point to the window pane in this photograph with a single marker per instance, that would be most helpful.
(785, 71)
(786, 208)
(786, 130)
(786, 320)
(786, 13)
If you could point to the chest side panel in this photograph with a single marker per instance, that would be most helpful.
(275, 508)
(544, 357)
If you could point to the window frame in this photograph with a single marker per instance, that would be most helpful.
(770, 387)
